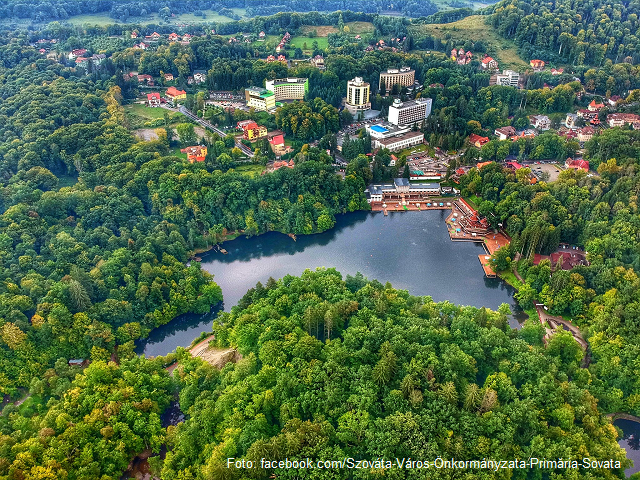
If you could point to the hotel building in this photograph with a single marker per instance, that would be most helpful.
(288, 88)
(410, 112)
(358, 96)
(405, 77)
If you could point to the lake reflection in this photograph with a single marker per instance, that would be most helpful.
(411, 250)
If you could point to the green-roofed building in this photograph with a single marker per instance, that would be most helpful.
(260, 98)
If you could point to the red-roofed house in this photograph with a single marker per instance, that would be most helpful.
(477, 140)
(173, 37)
(620, 119)
(153, 99)
(557, 71)
(513, 165)
(196, 153)
(489, 63)
(577, 164)
(78, 52)
(595, 107)
(537, 65)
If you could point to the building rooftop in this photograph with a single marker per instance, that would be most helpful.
(399, 138)
(259, 91)
(401, 182)
(285, 81)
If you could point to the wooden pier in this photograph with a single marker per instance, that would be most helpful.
(484, 261)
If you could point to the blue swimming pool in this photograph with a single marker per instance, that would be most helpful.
(379, 129)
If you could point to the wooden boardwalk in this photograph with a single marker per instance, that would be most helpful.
(484, 261)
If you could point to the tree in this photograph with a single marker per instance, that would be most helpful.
(186, 134)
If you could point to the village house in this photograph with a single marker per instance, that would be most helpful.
(489, 63)
(477, 140)
(173, 37)
(261, 36)
(134, 34)
(148, 79)
(155, 36)
(82, 62)
(585, 133)
(153, 99)
(168, 77)
(541, 122)
(196, 153)
(504, 133)
(577, 164)
(595, 107)
(621, 119)
(199, 76)
(252, 131)
(78, 52)
(557, 71)
(174, 95)
(537, 65)
(140, 46)
(613, 101)
(571, 121)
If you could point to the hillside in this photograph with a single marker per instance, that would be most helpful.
(475, 28)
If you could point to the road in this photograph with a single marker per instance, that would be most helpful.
(203, 123)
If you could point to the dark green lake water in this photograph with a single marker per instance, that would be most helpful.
(411, 250)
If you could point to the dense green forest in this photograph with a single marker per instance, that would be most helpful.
(580, 33)
(337, 368)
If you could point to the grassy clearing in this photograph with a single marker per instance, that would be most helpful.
(475, 28)
(474, 201)
(325, 30)
(298, 42)
(66, 181)
(138, 115)
(249, 169)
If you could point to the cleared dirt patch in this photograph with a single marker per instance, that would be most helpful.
(218, 357)
(146, 134)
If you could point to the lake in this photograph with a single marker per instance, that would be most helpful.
(411, 250)
(630, 441)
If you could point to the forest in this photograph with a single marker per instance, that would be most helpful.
(97, 229)
(578, 33)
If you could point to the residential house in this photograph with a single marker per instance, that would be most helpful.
(196, 153)
(571, 121)
(174, 94)
(541, 122)
(577, 164)
(621, 119)
(173, 37)
(613, 101)
(585, 133)
(557, 71)
(186, 38)
(537, 65)
(78, 52)
(148, 79)
(140, 46)
(318, 62)
(153, 99)
(97, 59)
(503, 133)
(595, 106)
(477, 140)
(155, 36)
(271, 58)
(262, 36)
(282, 58)
(134, 34)
(199, 76)
(42, 51)
(168, 77)
(82, 62)
(252, 131)
(489, 63)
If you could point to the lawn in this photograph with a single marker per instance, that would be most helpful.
(249, 169)
(325, 30)
(138, 115)
(475, 28)
(474, 201)
(298, 42)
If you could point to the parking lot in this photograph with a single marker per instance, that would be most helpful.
(551, 168)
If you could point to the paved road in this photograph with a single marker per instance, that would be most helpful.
(215, 129)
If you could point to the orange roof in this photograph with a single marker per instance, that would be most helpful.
(153, 96)
(482, 164)
(486, 60)
(174, 92)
